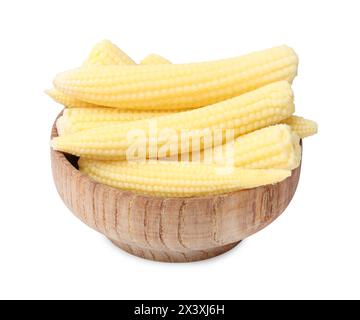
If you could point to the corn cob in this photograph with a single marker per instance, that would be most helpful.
(103, 53)
(67, 100)
(303, 127)
(274, 147)
(107, 53)
(153, 59)
(178, 86)
(177, 179)
(248, 112)
(78, 119)
(83, 118)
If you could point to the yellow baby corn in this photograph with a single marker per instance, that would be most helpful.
(68, 101)
(84, 118)
(177, 179)
(85, 115)
(107, 53)
(178, 86)
(254, 110)
(153, 59)
(303, 127)
(78, 119)
(274, 147)
(103, 53)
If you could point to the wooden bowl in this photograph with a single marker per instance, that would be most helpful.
(169, 229)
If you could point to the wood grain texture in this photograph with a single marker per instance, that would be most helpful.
(169, 229)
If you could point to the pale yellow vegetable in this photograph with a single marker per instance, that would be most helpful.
(177, 179)
(107, 53)
(248, 112)
(103, 53)
(68, 101)
(178, 86)
(78, 119)
(82, 117)
(303, 127)
(153, 59)
(274, 147)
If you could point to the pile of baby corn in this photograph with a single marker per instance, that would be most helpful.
(110, 95)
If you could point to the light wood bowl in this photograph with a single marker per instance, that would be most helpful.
(169, 229)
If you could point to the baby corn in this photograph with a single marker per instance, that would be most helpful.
(271, 147)
(178, 86)
(181, 130)
(303, 127)
(78, 119)
(83, 115)
(107, 53)
(68, 101)
(177, 179)
(103, 53)
(248, 112)
(274, 147)
(153, 59)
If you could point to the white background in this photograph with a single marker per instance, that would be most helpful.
(311, 251)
